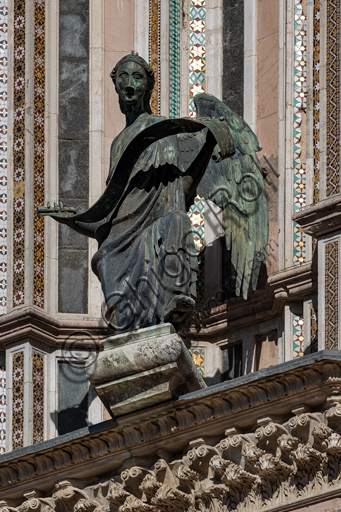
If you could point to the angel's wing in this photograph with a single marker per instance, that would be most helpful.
(236, 185)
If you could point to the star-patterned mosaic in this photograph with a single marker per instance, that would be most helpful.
(154, 52)
(332, 295)
(300, 102)
(38, 397)
(39, 150)
(19, 154)
(2, 409)
(298, 336)
(18, 400)
(333, 97)
(174, 58)
(316, 98)
(3, 158)
(197, 51)
(198, 356)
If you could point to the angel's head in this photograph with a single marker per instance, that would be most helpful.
(134, 82)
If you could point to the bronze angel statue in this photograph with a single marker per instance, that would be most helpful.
(146, 259)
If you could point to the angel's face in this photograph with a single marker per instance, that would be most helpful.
(131, 82)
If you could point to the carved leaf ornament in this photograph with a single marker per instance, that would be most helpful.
(274, 465)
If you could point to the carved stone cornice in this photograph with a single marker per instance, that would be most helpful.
(321, 218)
(234, 473)
(295, 283)
(35, 324)
(217, 447)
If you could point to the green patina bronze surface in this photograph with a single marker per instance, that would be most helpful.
(146, 259)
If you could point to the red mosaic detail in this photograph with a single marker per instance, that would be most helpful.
(19, 157)
(332, 295)
(154, 52)
(333, 97)
(39, 151)
(18, 400)
(38, 397)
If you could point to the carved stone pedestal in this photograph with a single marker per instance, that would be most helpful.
(143, 368)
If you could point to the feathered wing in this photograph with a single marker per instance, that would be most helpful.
(236, 185)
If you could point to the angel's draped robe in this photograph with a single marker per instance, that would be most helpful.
(146, 254)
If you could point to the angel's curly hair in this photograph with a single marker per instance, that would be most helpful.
(134, 57)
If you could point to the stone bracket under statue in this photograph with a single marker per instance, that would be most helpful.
(143, 368)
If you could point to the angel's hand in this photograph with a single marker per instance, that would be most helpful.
(58, 211)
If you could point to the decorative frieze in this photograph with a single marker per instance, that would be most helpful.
(155, 53)
(273, 465)
(251, 439)
(3, 155)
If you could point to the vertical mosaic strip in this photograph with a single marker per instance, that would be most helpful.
(197, 51)
(313, 328)
(197, 217)
(3, 158)
(19, 156)
(38, 397)
(2, 409)
(298, 336)
(332, 295)
(316, 99)
(39, 150)
(174, 58)
(300, 102)
(18, 401)
(333, 97)
(154, 52)
(198, 356)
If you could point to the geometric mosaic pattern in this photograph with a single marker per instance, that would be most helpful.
(3, 159)
(198, 356)
(174, 58)
(298, 336)
(316, 98)
(154, 52)
(38, 397)
(300, 102)
(39, 150)
(197, 217)
(19, 155)
(332, 295)
(197, 51)
(2, 409)
(313, 328)
(18, 401)
(333, 97)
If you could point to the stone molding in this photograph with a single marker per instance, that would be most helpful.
(294, 284)
(31, 322)
(248, 444)
(321, 218)
(275, 465)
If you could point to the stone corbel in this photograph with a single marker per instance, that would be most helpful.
(66, 498)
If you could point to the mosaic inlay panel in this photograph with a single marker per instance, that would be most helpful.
(197, 51)
(198, 356)
(39, 150)
(300, 102)
(316, 98)
(313, 328)
(174, 58)
(38, 397)
(333, 97)
(298, 336)
(18, 401)
(332, 295)
(2, 409)
(197, 217)
(19, 155)
(154, 52)
(3, 160)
